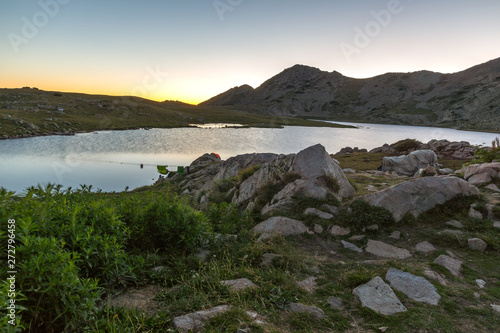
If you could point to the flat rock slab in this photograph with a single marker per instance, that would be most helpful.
(496, 224)
(279, 225)
(319, 213)
(495, 307)
(451, 232)
(379, 297)
(309, 284)
(455, 224)
(425, 247)
(193, 322)
(381, 249)
(454, 266)
(351, 246)
(435, 276)
(301, 308)
(415, 287)
(339, 231)
(239, 284)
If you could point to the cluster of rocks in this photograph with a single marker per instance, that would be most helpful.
(444, 149)
(483, 174)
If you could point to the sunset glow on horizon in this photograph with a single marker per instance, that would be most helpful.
(166, 50)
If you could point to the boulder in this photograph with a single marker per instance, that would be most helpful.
(493, 188)
(335, 302)
(193, 322)
(384, 250)
(313, 310)
(425, 247)
(477, 244)
(480, 179)
(491, 169)
(408, 165)
(415, 287)
(319, 213)
(339, 231)
(379, 297)
(279, 225)
(351, 246)
(455, 224)
(202, 162)
(419, 195)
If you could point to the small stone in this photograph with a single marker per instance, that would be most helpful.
(395, 235)
(301, 308)
(384, 250)
(495, 307)
(373, 227)
(335, 302)
(243, 330)
(435, 277)
(239, 284)
(492, 187)
(451, 232)
(496, 224)
(481, 283)
(477, 296)
(474, 214)
(357, 237)
(331, 209)
(480, 179)
(383, 329)
(379, 297)
(455, 224)
(267, 259)
(194, 321)
(318, 229)
(319, 213)
(454, 266)
(415, 287)
(339, 231)
(425, 247)
(309, 284)
(477, 244)
(451, 254)
(351, 246)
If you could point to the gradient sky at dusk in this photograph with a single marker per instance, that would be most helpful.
(187, 50)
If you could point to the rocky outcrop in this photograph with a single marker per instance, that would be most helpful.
(444, 149)
(408, 165)
(419, 195)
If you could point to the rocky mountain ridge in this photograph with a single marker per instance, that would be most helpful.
(469, 99)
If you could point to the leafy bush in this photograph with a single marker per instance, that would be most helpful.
(363, 215)
(246, 173)
(406, 145)
(486, 154)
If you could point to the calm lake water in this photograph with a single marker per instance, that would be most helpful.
(110, 160)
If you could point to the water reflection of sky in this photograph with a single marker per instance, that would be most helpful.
(111, 160)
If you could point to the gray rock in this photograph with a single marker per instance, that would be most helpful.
(318, 229)
(477, 244)
(332, 209)
(357, 237)
(335, 302)
(493, 188)
(480, 179)
(425, 247)
(495, 307)
(313, 310)
(408, 165)
(318, 213)
(492, 169)
(455, 224)
(384, 250)
(415, 287)
(279, 225)
(309, 284)
(474, 214)
(351, 246)
(454, 266)
(481, 283)
(373, 227)
(496, 224)
(267, 259)
(435, 277)
(379, 297)
(395, 235)
(239, 284)
(420, 195)
(339, 231)
(195, 321)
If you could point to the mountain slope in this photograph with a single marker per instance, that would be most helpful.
(469, 99)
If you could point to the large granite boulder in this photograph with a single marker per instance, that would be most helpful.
(408, 165)
(476, 173)
(419, 195)
(279, 225)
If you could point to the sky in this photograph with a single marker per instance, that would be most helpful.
(192, 50)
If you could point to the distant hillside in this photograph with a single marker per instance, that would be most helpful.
(466, 100)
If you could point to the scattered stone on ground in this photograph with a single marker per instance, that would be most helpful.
(455, 224)
(319, 213)
(351, 246)
(309, 284)
(419, 195)
(239, 284)
(496, 224)
(357, 237)
(313, 310)
(425, 247)
(451, 232)
(477, 244)
(395, 235)
(279, 225)
(480, 179)
(137, 299)
(495, 307)
(335, 302)
(492, 187)
(379, 297)
(339, 231)
(381, 249)
(195, 321)
(454, 266)
(415, 287)
(481, 283)
(474, 214)
(435, 276)
(318, 229)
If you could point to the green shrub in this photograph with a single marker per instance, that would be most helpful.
(363, 215)
(246, 173)
(331, 183)
(406, 145)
